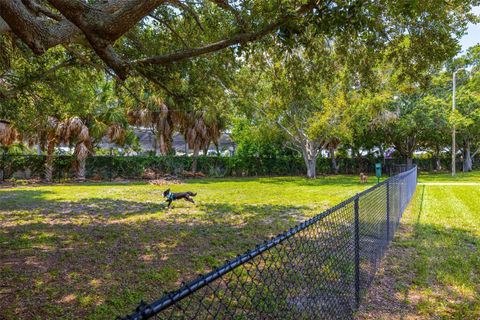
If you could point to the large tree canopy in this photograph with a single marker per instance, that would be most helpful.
(328, 67)
(137, 36)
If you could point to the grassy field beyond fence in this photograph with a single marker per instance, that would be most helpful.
(432, 270)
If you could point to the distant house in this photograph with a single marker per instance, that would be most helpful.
(146, 140)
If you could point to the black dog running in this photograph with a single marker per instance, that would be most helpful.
(177, 196)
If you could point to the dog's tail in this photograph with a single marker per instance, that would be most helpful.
(191, 194)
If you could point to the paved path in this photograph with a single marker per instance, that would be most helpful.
(450, 183)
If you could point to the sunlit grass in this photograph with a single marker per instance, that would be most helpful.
(435, 259)
(447, 241)
(473, 176)
(95, 250)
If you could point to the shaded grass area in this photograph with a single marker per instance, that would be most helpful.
(432, 270)
(95, 250)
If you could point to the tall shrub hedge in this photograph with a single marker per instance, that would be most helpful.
(134, 167)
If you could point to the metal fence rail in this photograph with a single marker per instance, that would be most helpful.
(319, 269)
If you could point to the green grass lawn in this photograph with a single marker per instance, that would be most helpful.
(432, 270)
(95, 250)
(460, 177)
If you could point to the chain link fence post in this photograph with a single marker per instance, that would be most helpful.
(388, 210)
(2, 168)
(110, 165)
(357, 251)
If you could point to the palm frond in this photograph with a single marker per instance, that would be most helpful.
(8, 134)
(81, 151)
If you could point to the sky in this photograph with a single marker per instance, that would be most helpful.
(473, 33)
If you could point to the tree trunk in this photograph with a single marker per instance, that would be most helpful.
(205, 150)
(81, 171)
(467, 158)
(154, 142)
(49, 162)
(311, 168)
(382, 153)
(410, 149)
(438, 162)
(474, 155)
(335, 166)
(3, 164)
(169, 145)
(162, 146)
(356, 154)
(186, 147)
(409, 161)
(310, 159)
(158, 151)
(196, 150)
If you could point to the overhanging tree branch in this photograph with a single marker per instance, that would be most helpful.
(39, 34)
(475, 153)
(4, 26)
(104, 22)
(37, 76)
(189, 10)
(240, 38)
(169, 27)
(39, 9)
(103, 25)
(213, 47)
(226, 6)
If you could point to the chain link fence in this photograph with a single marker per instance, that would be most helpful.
(319, 269)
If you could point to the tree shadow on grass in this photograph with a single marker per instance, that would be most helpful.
(31, 184)
(63, 259)
(29, 204)
(256, 212)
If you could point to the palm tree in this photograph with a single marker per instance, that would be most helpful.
(112, 123)
(164, 128)
(216, 124)
(49, 138)
(332, 146)
(70, 131)
(8, 134)
(194, 130)
(200, 129)
(77, 132)
(155, 114)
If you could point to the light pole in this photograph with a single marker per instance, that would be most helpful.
(453, 110)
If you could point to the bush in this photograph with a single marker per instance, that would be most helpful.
(107, 167)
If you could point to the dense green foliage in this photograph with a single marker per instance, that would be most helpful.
(344, 78)
(137, 167)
